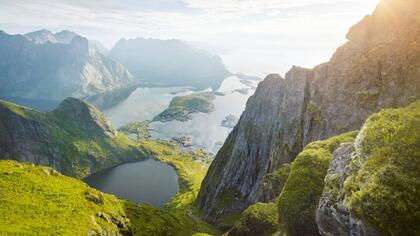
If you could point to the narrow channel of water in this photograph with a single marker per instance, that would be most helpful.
(147, 181)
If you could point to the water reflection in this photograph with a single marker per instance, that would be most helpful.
(204, 129)
(147, 181)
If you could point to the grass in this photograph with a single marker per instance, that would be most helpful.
(258, 219)
(79, 153)
(65, 144)
(383, 188)
(140, 129)
(39, 200)
(301, 193)
(191, 173)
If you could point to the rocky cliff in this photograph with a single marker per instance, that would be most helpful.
(75, 139)
(377, 68)
(41, 65)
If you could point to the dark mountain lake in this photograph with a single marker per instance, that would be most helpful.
(147, 181)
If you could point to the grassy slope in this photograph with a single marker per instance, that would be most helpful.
(301, 193)
(191, 173)
(77, 145)
(39, 200)
(179, 219)
(72, 146)
(384, 187)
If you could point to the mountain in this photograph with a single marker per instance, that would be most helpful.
(41, 65)
(357, 183)
(377, 68)
(169, 62)
(43, 36)
(75, 139)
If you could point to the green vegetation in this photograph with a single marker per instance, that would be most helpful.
(140, 129)
(384, 187)
(82, 153)
(182, 107)
(258, 219)
(75, 147)
(39, 200)
(301, 193)
(316, 112)
(191, 173)
(276, 180)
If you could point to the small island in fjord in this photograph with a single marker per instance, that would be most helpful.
(181, 108)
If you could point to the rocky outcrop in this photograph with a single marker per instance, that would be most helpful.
(46, 66)
(370, 186)
(377, 68)
(332, 216)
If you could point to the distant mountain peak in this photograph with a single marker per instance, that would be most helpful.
(65, 36)
(41, 36)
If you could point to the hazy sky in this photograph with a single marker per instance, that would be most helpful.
(252, 36)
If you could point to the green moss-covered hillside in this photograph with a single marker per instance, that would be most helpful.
(182, 107)
(258, 219)
(384, 187)
(39, 200)
(76, 139)
(301, 193)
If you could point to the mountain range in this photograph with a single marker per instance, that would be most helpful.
(41, 65)
(41, 68)
(332, 150)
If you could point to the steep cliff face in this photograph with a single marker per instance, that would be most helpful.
(75, 139)
(39, 69)
(377, 68)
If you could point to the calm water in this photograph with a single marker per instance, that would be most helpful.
(204, 129)
(147, 181)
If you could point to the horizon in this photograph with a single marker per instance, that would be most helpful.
(252, 37)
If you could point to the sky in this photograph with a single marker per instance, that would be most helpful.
(255, 37)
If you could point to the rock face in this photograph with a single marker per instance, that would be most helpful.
(41, 65)
(377, 68)
(332, 216)
(170, 62)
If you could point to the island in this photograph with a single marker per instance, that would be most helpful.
(181, 108)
